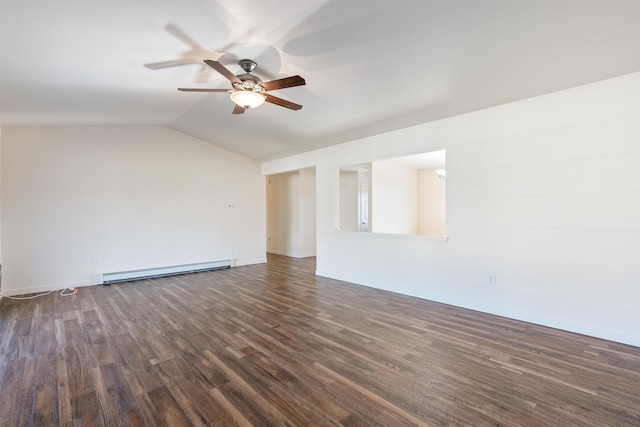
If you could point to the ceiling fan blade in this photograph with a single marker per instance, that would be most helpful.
(238, 110)
(171, 63)
(187, 89)
(222, 70)
(182, 36)
(284, 83)
(282, 102)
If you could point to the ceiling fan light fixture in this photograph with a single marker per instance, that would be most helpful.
(248, 91)
(247, 98)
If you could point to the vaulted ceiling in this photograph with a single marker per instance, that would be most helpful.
(370, 66)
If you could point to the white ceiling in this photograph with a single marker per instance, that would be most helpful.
(430, 160)
(370, 66)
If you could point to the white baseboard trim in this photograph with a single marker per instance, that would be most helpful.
(292, 254)
(96, 280)
(538, 319)
(48, 288)
(241, 262)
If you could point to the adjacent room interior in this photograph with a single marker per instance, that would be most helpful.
(430, 217)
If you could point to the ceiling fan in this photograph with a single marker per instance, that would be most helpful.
(248, 91)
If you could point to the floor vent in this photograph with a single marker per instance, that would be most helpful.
(124, 276)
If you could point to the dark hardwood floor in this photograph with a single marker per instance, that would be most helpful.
(273, 344)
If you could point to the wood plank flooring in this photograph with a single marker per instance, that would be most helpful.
(274, 345)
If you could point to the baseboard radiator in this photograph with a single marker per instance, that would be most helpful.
(124, 276)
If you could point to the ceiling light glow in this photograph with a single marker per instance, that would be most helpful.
(247, 98)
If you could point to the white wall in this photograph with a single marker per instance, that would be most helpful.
(349, 189)
(0, 207)
(431, 203)
(544, 193)
(134, 197)
(307, 200)
(394, 198)
(283, 216)
(291, 214)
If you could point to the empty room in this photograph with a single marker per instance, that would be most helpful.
(320, 213)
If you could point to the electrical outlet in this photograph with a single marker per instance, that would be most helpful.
(491, 280)
(97, 260)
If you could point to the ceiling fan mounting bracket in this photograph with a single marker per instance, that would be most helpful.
(247, 65)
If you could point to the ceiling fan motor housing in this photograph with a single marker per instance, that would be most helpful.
(249, 81)
(248, 84)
